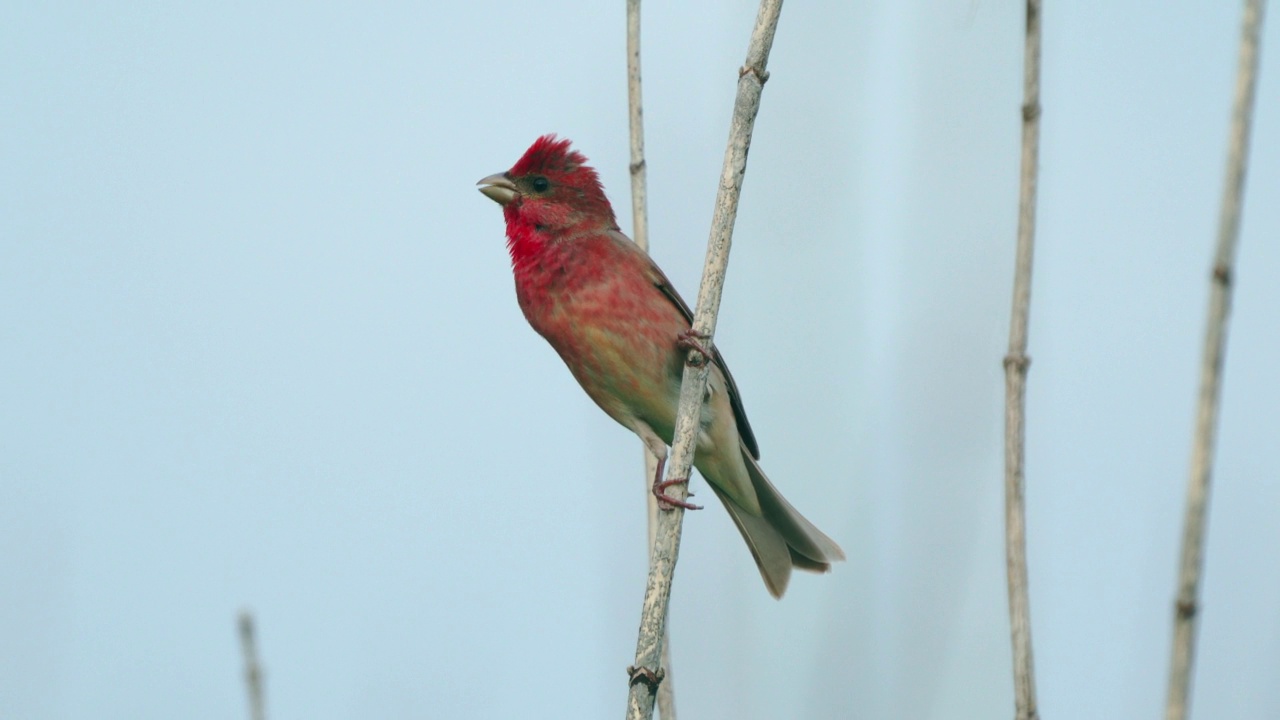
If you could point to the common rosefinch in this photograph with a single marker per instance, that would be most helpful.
(623, 331)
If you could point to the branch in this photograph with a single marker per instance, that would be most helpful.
(640, 233)
(639, 191)
(1215, 340)
(644, 677)
(1015, 370)
(252, 670)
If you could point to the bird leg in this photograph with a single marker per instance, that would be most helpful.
(665, 501)
(690, 340)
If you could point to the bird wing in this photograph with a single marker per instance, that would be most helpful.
(664, 285)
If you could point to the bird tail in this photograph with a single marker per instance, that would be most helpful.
(780, 537)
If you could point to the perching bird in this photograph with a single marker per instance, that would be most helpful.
(624, 332)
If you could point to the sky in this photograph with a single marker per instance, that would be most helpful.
(259, 349)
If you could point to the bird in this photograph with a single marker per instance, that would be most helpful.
(625, 333)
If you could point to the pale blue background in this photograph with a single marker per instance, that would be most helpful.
(259, 348)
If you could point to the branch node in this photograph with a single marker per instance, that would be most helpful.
(645, 676)
(1017, 361)
(637, 166)
(1030, 111)
(1186, 609)
(1222, 275)
(762, 75)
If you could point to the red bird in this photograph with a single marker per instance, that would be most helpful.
(624, 331)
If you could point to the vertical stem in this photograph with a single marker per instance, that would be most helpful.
(640, 233)
(639, 190)
(252, 670)
(1215, 340)
(646, 674)
(1016, 363)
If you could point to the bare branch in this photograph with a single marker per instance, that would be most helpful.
(639, 190)
(644, 678)
(1215, 340)
(252, 670)
(1016, 363)
(640, 233)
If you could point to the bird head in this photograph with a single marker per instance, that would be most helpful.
(550, 193)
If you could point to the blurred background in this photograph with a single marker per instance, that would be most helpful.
(259, 348)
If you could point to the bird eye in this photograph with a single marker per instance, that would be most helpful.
(540, 184)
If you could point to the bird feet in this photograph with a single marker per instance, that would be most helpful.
(665, 501)
(691, 340)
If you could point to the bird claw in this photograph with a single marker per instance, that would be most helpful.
(691, 340)
(666, 502)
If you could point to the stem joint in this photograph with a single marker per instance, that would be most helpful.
(762, 75)
(1186, 609)
(1018, 361)
(645, 676)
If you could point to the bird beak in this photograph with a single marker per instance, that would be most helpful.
(498, 188)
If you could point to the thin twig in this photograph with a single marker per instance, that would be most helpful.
(1215, 340)
(639, 191)
(1015, 372)
(252, 670)
(646, 674)
(640, 233)
(666, 689)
